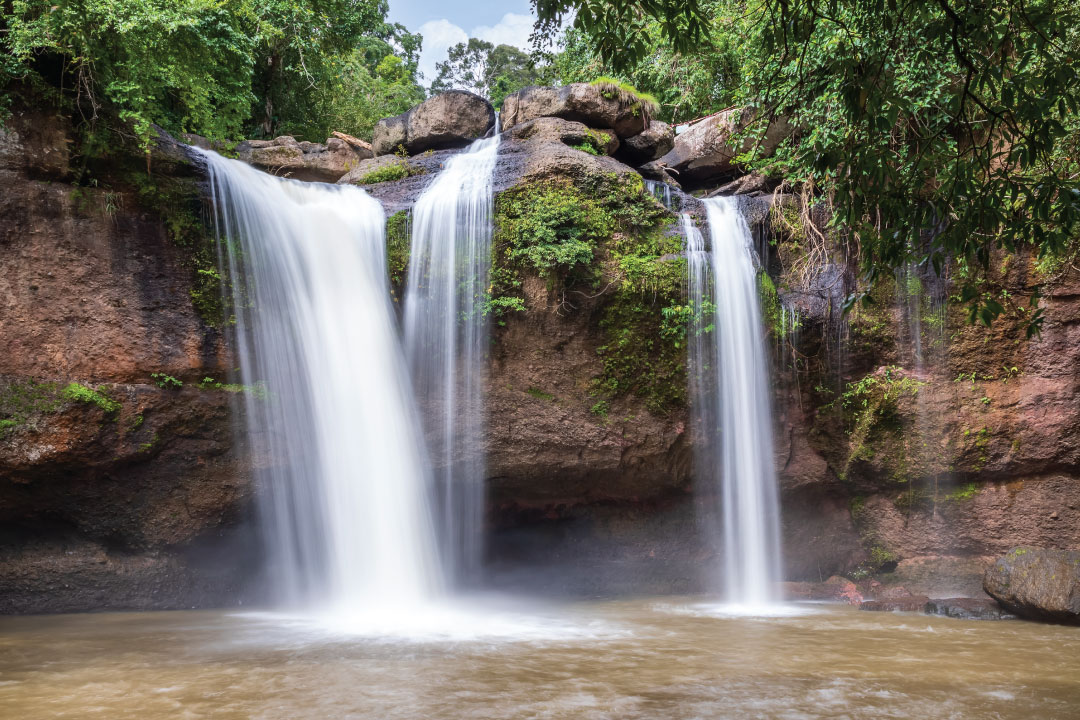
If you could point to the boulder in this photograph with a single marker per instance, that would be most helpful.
(968, 609)
(567, 132)
(582, 102)
(451, 119)
(1037, 583)
(302, 160)
(706, 149)
(649, 144)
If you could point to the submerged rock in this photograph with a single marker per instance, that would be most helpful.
(582, 102)
(1037, 583)
(287, 157)
(968, 609)
(451, 119)
(911, 603)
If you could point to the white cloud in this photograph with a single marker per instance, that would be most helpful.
(513, 29)
(441, 35)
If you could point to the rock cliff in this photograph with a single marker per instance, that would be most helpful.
(135, 492)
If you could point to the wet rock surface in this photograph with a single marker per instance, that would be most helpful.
(1037, 583)
(968, 609)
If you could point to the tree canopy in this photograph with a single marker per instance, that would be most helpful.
(220, 68)
(493, 71)
(938, 131)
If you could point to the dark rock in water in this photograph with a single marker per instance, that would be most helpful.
(1037, 583)
(650, 143)
(968, 609)
(286, 157)
(582, 102)
(707, 149)
(451, 119)
(912, 603)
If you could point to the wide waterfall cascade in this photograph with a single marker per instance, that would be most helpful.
(446, 337)
(731, 400)
(342, 497)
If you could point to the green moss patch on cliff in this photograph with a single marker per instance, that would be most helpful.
(398, 246)
(22, 400)
(76, 392)
(604, 239)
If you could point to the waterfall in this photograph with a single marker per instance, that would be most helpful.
(660, 191)
(730, 396)
(446, 340)
(342, 486)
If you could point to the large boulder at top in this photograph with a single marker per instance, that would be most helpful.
(303, 160)
(451, 119)
(581, 102)
(706, 150)
(1037, 583)
(649, 144)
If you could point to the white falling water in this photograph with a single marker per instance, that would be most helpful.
(446, 339)
(342, 496)
(730, 395)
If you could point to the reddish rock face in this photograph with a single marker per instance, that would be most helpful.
(105, 500)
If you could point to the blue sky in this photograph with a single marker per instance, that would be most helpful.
(444, 23)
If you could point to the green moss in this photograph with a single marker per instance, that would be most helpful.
(967, 492)
(397, 170)
(540, 394)
(178, 202)
(615, 89)
(258, 390)
(75, 392)
(586, 148)
(398, 245)
(21, 400)
(612, 237)
(870, 413)
(166, 381)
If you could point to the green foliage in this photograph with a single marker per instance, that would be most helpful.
(871, 403)
(219, 68)
(399, 169)
(540, 394)
(627, 94)
(939, 131)
(619, 30)
(551, 228)
(963, 493)
(398, 245)
(492, 71)
(167, 381)
(257, 390)
(586, 148)
(75, 392)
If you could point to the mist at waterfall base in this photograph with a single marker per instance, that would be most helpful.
(731, 414)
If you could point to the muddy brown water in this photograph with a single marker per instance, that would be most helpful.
(647, 658)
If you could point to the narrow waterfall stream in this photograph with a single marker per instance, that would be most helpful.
(343, 498)
(446, 341)
(730, 397)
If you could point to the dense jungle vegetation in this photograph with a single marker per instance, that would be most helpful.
(936, 132)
